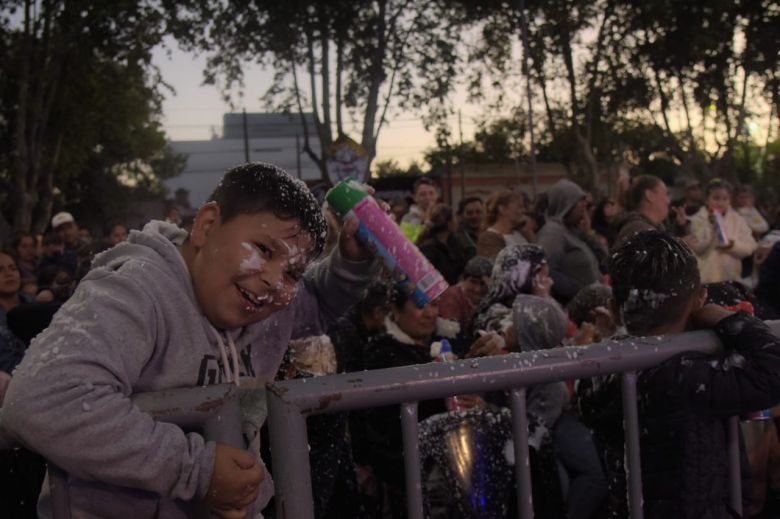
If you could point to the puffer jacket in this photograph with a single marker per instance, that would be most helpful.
(684, 406)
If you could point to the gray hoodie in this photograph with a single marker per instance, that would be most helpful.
(133, 325)
(573, 265)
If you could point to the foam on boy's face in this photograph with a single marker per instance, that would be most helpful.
(248, 268)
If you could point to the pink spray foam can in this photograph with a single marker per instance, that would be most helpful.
(409, 268)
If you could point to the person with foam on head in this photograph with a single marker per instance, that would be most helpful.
(540, 324)
(167, 309)
(686, 401)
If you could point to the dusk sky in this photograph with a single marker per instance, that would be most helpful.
(195, 109)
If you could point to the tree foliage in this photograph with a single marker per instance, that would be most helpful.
(610, 71)
(351, 64)
(79, 96)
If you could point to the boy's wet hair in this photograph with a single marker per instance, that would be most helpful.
(653, 276)
(259, 187)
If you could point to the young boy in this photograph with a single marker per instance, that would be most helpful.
(170, 310)
(684, 403)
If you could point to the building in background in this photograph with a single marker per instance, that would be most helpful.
(263, 137)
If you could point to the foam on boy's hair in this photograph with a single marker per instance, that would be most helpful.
(653, 277)
(257, 187)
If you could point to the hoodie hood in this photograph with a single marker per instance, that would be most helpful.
(539, 323)
(158, 242)
(513, 273)
(561, 197)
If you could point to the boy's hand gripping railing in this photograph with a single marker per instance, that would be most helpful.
(289, 403)
(213, 410)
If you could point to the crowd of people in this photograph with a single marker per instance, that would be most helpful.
(525, 275)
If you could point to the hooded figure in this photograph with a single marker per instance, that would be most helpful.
(540, 324)
(573, 264)
(513, 273)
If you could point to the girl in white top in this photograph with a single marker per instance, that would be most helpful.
(723, 237)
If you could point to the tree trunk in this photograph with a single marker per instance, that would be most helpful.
(327, 129)
(339, 68)
(377, 78)
(21, 200)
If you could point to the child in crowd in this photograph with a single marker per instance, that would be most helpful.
(723, 237)
(539, 323)
(684, 402)
(167, 309)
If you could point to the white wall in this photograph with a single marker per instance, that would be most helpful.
(207, 161)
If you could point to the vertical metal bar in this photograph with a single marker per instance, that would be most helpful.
(409, 427)
(735, 479)
(525, 503)
(290, 455)
(60, 495)
(225, 425)
(631, 425)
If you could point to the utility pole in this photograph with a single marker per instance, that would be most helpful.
(460, 159)
(526, 72)
(246, 139)
(298, 154)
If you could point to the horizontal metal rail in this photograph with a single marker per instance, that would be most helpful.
(213, 409)
(290, 402)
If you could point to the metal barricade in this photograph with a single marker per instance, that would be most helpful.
(290, 402)
(214, 410)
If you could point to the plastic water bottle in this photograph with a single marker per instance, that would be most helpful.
(409, 268)
(720, 230)
(447, 355)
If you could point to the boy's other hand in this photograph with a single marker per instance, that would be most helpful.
(235, 482)
(351, 248)
(709, 315)
(488, 345)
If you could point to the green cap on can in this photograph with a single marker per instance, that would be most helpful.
(345, 195)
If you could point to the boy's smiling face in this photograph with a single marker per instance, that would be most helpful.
(248, 268)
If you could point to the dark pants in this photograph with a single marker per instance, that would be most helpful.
(576, 452)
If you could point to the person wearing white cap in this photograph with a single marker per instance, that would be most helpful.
(64, 224)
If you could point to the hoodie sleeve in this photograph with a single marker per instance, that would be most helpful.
(328, 290)
(744, 243)
(564, 286)
(69, 399)
(745, 378)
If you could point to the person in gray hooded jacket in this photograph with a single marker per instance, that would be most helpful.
(170, 310)
(573, 265)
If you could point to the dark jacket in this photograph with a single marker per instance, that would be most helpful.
(444, 257)
(684, 405)
(768, 287)
(464, 241)
(382, 445)
(349, 338)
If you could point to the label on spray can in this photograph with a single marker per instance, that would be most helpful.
(409, 268)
